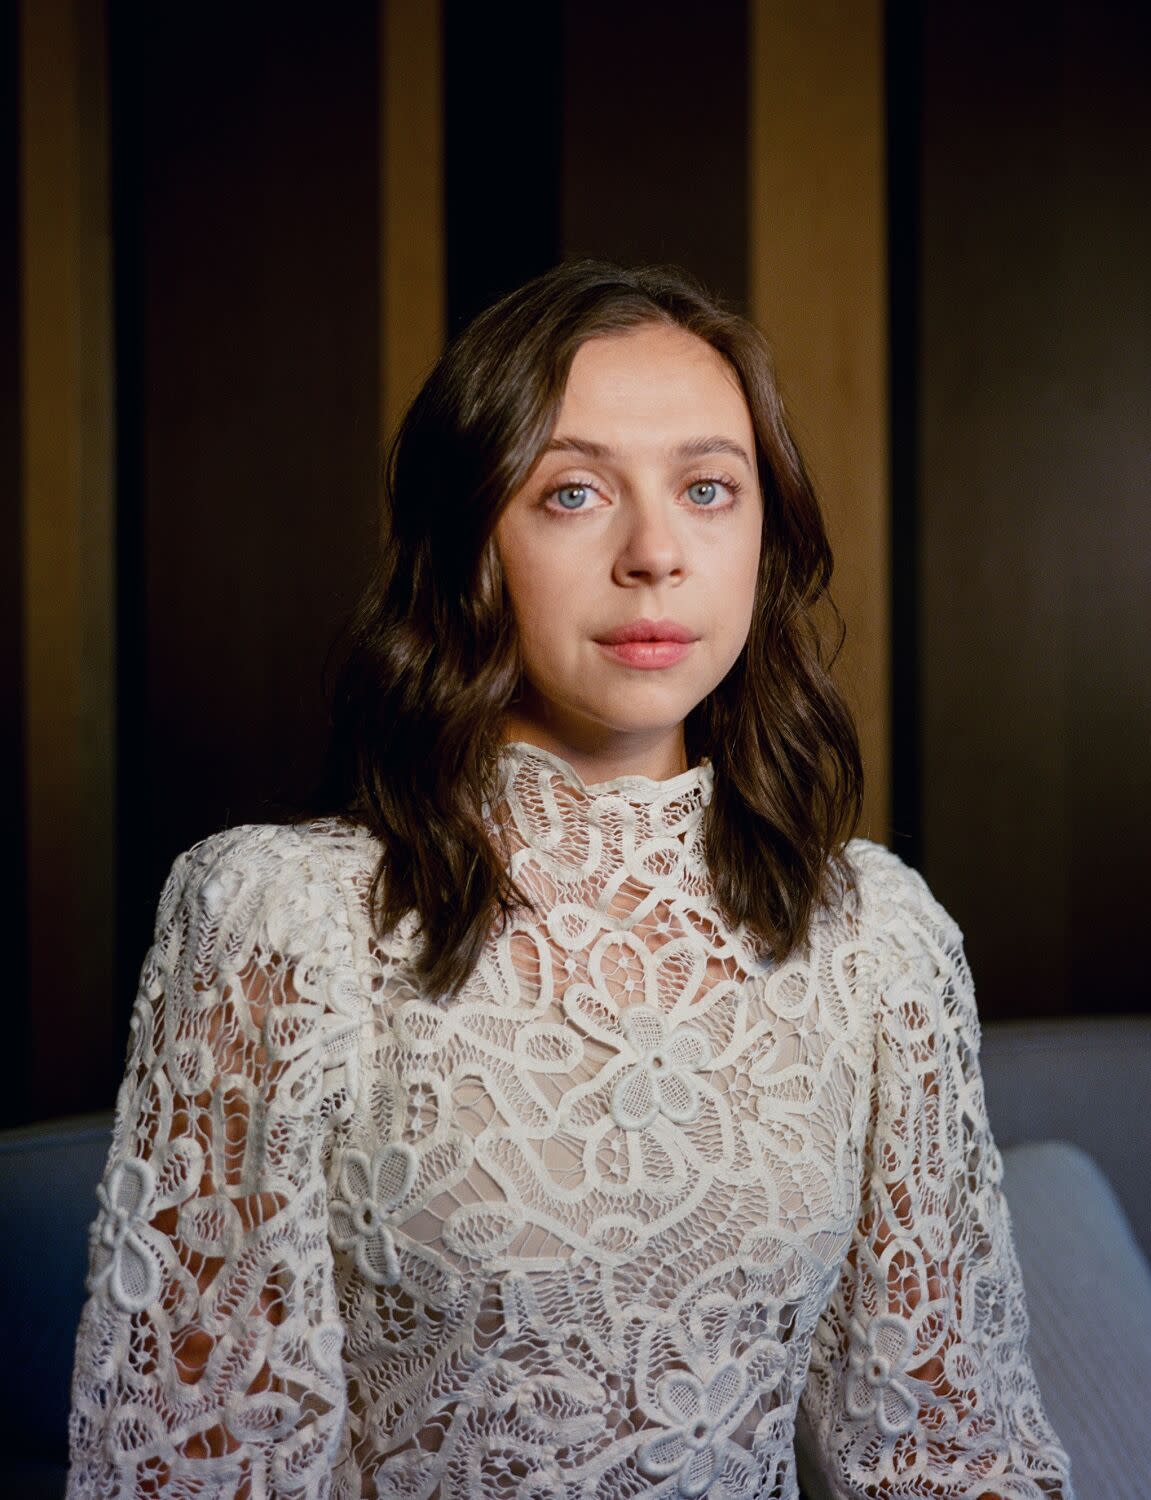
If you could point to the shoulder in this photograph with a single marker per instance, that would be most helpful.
(277, 848)
(893, 897)
(922, 975)
(254, 940)
(281, 880)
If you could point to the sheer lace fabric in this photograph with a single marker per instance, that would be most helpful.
(604, 1226)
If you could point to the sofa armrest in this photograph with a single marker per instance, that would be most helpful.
(48, 1177)
(1088, 1289)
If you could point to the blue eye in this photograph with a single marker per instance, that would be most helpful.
(571, 489)
(705, 484)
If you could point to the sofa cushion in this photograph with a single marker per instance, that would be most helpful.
(1088, 1289)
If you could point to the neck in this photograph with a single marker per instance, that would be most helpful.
(596, 756)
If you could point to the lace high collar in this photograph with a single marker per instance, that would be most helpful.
(545, 793)
(634, 787)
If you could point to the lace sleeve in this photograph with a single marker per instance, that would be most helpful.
(208, 1359)
(920, 1383)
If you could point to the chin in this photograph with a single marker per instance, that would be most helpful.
(631, 708)
(649, 724)
(652, 715)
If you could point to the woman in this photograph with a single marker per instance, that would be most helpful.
(569, 1109)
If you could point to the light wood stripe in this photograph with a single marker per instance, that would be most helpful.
(69, 539)
(818, 288)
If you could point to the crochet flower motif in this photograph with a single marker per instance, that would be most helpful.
(697, 1442)
(879, 1356)
(123, 1259)
(371, 1190)
(660, 1081)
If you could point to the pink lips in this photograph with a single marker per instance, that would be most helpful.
(648, 643)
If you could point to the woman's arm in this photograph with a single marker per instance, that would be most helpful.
(920, 1383)
(208, 1355)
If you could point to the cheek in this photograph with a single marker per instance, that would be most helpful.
(743, 577)
(540, 587)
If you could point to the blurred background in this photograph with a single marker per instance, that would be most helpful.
(234, 237)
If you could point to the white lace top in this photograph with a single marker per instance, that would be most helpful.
(605, 1226)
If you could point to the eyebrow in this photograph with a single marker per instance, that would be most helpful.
(698, 447)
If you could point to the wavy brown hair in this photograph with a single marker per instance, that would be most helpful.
(431, 660)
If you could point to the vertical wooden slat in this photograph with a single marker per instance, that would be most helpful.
(411, 201)
(69, 575)
(817, 285)
(13, 916)
(627, 174)
(1035, 477)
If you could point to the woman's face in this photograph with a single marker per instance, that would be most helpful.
(646, 507)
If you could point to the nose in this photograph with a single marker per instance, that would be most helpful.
(651, 549)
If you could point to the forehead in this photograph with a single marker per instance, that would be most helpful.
(658, 378)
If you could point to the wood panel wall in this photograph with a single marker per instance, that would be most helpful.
(298, 216)
(198, 494)
(68, 553)
(502, 72)
(245, 212)
(1035, 568)
(13, 861)
(411, 181)
(818, 287)
(653, 163)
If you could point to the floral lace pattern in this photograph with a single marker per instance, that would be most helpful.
(607, 1225)
(370, 1191)
(696, 1444)
(660, 1080)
